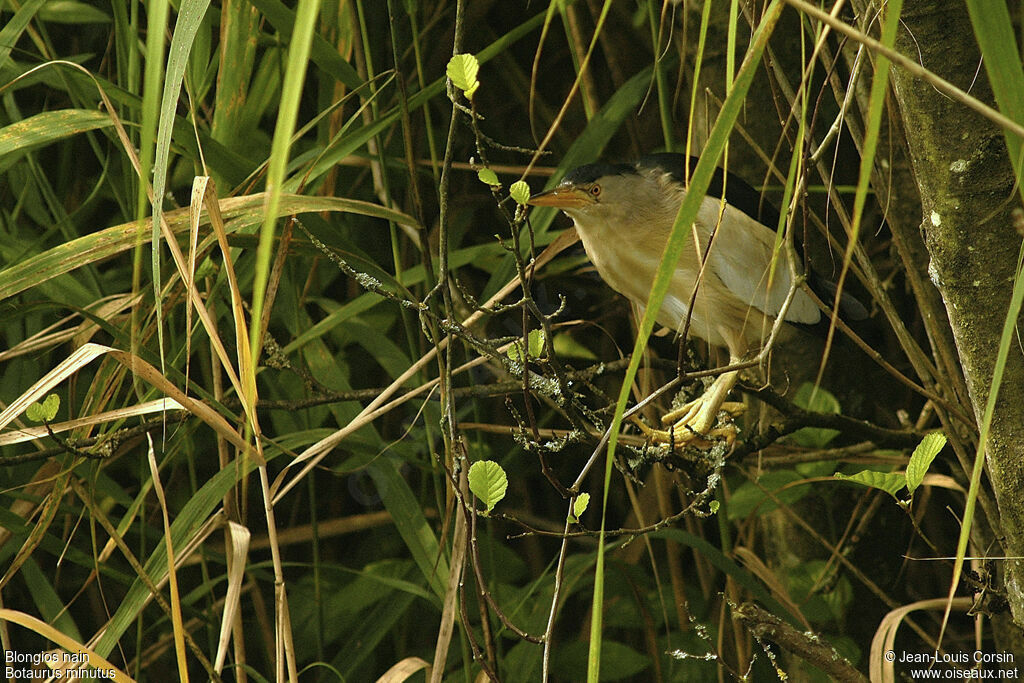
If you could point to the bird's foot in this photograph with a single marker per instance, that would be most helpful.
(700, 424)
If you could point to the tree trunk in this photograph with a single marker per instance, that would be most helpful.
(967, 194)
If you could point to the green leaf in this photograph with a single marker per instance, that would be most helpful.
(462, 70)
(488, 482)
(713, 506)
(890, 482)
(618, 661)
(752, 498)
(580, 505)
(520, 192)
(536, 343)
(50, 126)
(565, 345)
(409, 520)
(922, 458)
(488, 177)
(823, 594)
(45, 411)
(535, 347)
(815, 401)
(823, 468)
(72, 12)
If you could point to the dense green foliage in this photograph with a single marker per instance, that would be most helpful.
(334, 290)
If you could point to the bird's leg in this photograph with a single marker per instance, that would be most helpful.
(701, 413)
(695, 423)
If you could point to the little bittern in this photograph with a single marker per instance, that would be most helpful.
(728, 295)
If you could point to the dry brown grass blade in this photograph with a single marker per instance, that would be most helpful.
(64, 369)
(172, 575)
(189, 276)
(205, 192)
(31, 433)
(53, 635)
(451, 597)
(204, 412)
(584, 64)
(403, 670)
(80, 357)
(239, 537)
(106, 308)
(881, 667)
(209, 324)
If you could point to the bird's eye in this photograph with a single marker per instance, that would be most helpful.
(595, 191)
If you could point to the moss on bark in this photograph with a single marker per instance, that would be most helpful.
(967, 194)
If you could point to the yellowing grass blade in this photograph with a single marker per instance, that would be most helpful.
(52, 634)
(238, 552)
(172, 575)
(157, 406)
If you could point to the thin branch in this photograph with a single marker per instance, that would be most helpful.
(810, 647)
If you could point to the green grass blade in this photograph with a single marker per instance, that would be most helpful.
(237, 57)
(1003, 65)
(240, 211)
(295, 74)
(699, 183)
(156, 15)
(49, 126)
(323, 54)
(15, 26)
(190, 16)
(411, 523)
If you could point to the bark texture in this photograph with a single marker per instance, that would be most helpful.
(967, 194)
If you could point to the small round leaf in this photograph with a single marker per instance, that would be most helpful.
(520, 192)
(536, 342)
(580, 505)
(488, 482)
(488, 176)
(462, 70)
(45, 411)
(535, 347)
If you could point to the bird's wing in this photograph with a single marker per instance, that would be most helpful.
(741, 257)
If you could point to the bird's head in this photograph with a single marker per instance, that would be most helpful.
(611, 194)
